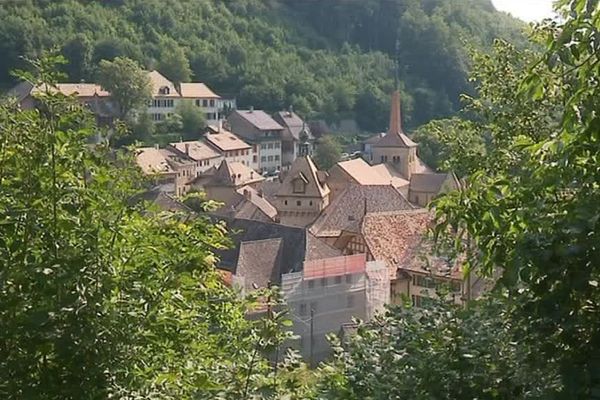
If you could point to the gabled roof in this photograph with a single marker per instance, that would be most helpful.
(303, 168)
(159, 81)
(391, 175)
(374, 139)
(154, 161)
(359, 170)
(196, 150)
(224, 140)
(432, 182)
(24, 89)
(293, 124)
(197, 90)
(252, 196)
(297, 245)
(259, 119)
(399, 239)
(259, 262)
(234, 174)
(347, 211)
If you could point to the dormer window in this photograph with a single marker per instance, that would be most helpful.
(299, 185)
(164, 90)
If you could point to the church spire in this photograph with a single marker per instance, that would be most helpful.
(395, 116)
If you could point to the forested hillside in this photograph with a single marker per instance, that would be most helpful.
(328, 59)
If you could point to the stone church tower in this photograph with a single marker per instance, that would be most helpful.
(303, 194)
(395, 147)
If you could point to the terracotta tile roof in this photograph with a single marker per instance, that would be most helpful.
(363, 173)
(196, 150)
(260, 120)
(197, 90)
(153, 161)
(431, 182)
(159, 81)
(162, 200)
(305, 169)
(349, 208)
(224, 140)
(317, 249)
(259, 262)
(391, 175)
(24, 89)
(234, 174)
(399, 239)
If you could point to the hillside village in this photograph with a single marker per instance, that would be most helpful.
(341, 244)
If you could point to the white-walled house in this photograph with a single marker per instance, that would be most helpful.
(166, 96)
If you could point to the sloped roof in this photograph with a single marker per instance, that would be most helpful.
(24, 89)
(259, 119)
(293, 124)
(374, 139)
(158, 81)
(430, 182)
(359, 170)
(225, 140)
(399, 239)
(396, 139)
(303, 168)
(197, 90)
(234, 174)
(153, 161)
(297, 244)
(390, 175)
(347, 211)
(259, 262)
(252, 196)
(195, 150)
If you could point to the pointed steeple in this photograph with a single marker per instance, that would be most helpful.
(395, 116)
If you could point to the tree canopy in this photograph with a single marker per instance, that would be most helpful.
(327, 59)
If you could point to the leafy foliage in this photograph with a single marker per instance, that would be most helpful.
(103, 296)
(440, 351)
(330, 59)
(328, 152)
(127, 82)
(531, 207)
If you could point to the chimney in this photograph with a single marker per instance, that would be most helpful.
(290, 110)
(251, 108)
(156, 146)
(247, 194)
(187, 149)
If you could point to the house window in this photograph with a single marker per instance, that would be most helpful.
(276, 158)
(311, 284)
(270, 158)
(197, 103)
(270, 146)
(350, 301)
(254, 159)
(263, 159)
(417, 199)
(277, 145)
(298, 203)
(212, 103)
(164, 90)
(302, 310)
(205, 103)
(310, 203)
(324, 282)
(338, 280)
(396, 159)
(384, 159)
(285, 202)
(263, 146)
